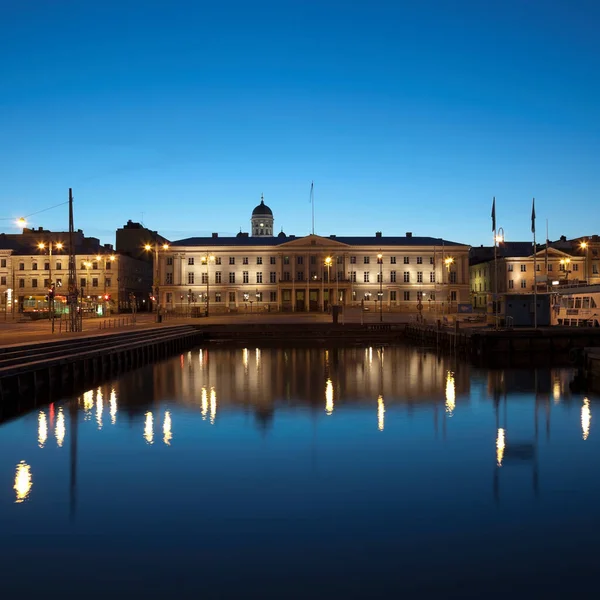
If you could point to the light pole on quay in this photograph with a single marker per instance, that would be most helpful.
(328, 262)
(380, 261)
(51, 287)
(156, 286)
(565, 262)
(206, 259)
(584, 246)
(448, 261)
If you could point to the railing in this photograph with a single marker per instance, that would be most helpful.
(114, 323)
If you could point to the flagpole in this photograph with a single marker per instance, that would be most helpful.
(312, 202)
(534, 265)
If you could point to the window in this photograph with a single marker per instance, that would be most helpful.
(21, 283)
(259, 297)
(59, 266)
(549, 267)
(231, 296)
(231, 277)
(380, 260)
(419, 260)
(406, 260)
(300, 276)
(191, 260)
(287, 276)
(523, 283)
(393, 276)
(353, 260)
(272, 296)
(217, 276)
(523, 268)
(169, 298)
(204, 278)
(58, 282)
(286, 260)
(46, 283)
(95, 266)
(22, 266)
(313, 260)
(82, 282)
(339, 260)
(34, 266)
(217, 296)
(452, 276)
(3, 262)
(3, 280)
(169, 278)
(108, 265)
(510, 268)
(432, 277)
(273, 277)
(406, 277)
(232, 260)
(34, 283)
(379, 277)
(300, 260)
(575, 267)
(170, 260)
(393, 295)
(431, 260)
(217, 260)
(538, 267)
(245, 277)
(46, 266)
(353, 276)
(392, 260)
(94, 282)
(340, 275)
(190, 278)
(259, 277)
(245, 260)
(366, 276)
(107, 282)
(365, 260)
(419, 276)
(453, 296)
(595, 268)
(406, 296)
(272, 260)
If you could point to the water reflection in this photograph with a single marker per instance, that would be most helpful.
(149, 428)
(167, 435)
(328, 397)
(23, 482)
(213, 405)
(99, 407)
(450, 393)
(60, 429)
(500, 446)
(380, 413)
(113, 406)
(42, 429)
(204, 401)
(586, 418)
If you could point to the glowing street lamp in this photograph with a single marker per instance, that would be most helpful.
(449, 261)
(206, 260)
(584, 246)
(21, 222)
(380, 261)
(565, 262)
(328, 262)
(148, 248)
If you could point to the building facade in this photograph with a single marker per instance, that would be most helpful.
(287, 273)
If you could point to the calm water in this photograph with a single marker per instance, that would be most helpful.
(305, 473)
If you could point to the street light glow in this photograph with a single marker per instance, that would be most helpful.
(21, 222)
(165, 246)
(147, 247)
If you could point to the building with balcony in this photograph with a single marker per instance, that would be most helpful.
(310, 273)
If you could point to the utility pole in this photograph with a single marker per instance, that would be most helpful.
(74, 321)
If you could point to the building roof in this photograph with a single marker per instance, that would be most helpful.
(375, 241)
(262, 210)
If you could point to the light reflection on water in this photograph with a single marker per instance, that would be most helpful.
(299, 445)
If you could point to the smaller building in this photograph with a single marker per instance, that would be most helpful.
(520, 310)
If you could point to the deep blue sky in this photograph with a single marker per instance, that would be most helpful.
(408, 116)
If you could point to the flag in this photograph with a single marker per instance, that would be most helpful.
(533, 216)
(494, 214)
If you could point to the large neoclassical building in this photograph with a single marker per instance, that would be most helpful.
(262, 271)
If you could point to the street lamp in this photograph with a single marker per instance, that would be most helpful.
(328, 262)
(206, 260)
(565, 262)
(584, 246)
(380, 261)
(448, 261)
(148, 247)
(51, 287)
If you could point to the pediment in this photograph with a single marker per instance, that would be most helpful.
(552, 252)
(313, 241)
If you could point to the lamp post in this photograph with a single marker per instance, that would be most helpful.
(328, 262)
(565, 262)
(584, 246)
(156, 285)
(206, 260)
(88, 265)
(498, 239)
(51, 287)
(380, 261)
(448, 261)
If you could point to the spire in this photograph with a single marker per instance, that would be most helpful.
(262, 199)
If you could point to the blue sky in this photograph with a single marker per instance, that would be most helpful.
(408, 116)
